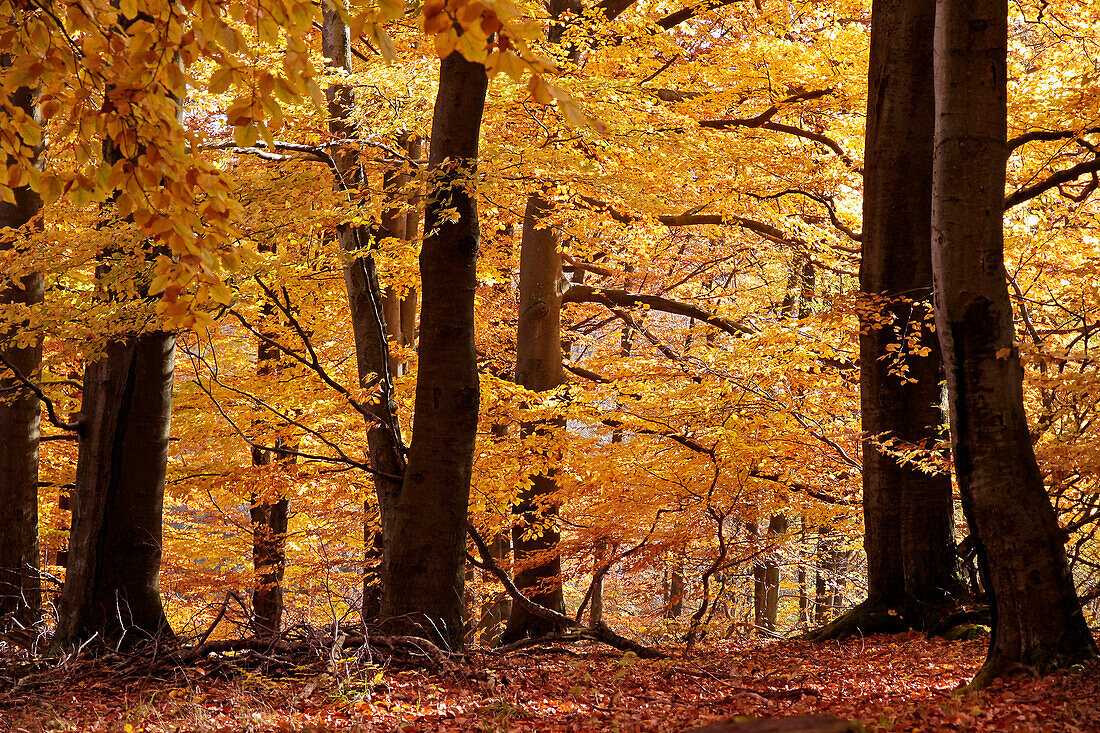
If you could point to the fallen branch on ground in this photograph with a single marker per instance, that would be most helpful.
(601, 633)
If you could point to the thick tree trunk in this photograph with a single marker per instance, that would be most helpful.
(538, 368)
(908, 512)
(912, 569)
(422, 570)
(385, 446)
(112, 583)
(1037, 619)
(20, 589)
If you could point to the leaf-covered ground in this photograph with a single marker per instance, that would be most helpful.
(898, 683)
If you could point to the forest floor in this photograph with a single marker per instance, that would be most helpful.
(894, 683)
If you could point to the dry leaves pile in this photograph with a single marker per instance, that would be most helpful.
(898, 683)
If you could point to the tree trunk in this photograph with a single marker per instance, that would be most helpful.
(269, 527)
(595, 609)
(422, 570)
(676, 591)
(385, 447)
(1037, 618)
(112, 583)
(20, 588)
(269, 524)
(766, 577)
(538, 368)
(497, 606)
(912, 572)
(909, 516)
(400, 223)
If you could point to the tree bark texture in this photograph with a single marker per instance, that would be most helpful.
(269, 515)
(1037, 619)
(766, 578)
(399, 220)
(908, 513)
(385, 446)
(112, 583)
(535, 536)
(423, 567)
(677, 589)
(20, 588)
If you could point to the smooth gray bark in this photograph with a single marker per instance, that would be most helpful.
(1037, 619)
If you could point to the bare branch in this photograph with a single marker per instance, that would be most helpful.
(1055, 179)
(577, 293)
(51, 410)
(599, 633)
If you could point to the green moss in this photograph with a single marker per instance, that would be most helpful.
(966, 632)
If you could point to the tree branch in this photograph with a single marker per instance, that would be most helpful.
(51, 411)
(599, 633)
(577, 293)
(1047, 136)
(1055, 179)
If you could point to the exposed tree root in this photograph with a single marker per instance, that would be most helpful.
(863, 620)
(227, 657)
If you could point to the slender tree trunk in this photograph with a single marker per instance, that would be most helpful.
(803, 577)
(1037, 618)
(676, 591)
(386, 449)
(766, 578)
(399, 222)
(538, 368)
(595, 610)
(20, 589)
(496, 607)
(415, 151)
(112, 583)
(269, 527)
(422, 570)
(269, 515)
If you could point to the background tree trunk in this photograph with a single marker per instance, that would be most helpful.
(385, 446)
(1037, 618)
(20, 587)
(496, 606)
(538, 368)
(422, 569)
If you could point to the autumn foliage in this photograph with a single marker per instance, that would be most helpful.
(701, 166)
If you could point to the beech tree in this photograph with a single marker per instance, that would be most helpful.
(21, 354)
(1037, 618)
(422, 576)
(374, 368)
(912, 570)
